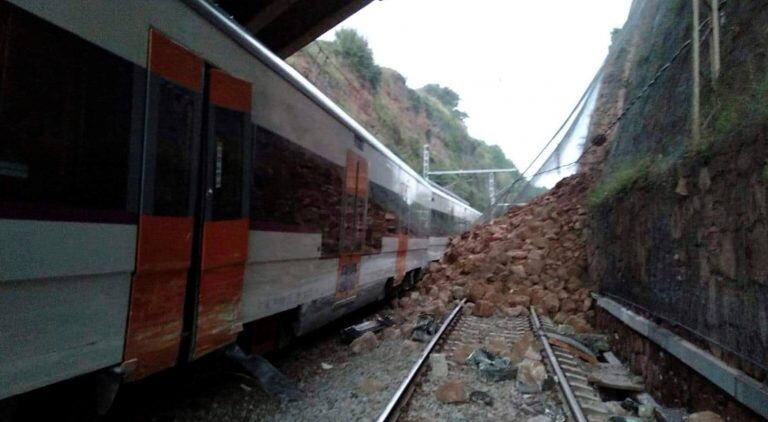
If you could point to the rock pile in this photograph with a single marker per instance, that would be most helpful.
(533, 255)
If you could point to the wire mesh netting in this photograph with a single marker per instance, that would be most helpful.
(557, 160)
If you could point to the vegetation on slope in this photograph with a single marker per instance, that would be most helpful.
(404, 119)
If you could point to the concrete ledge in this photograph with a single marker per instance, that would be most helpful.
(739, 385)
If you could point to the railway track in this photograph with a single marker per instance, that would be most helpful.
(574, 399)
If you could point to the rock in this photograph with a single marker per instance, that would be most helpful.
(533, 266)
(326, 366)
(452, 392)
(551, 303)
(530, 376)
(682, 187)
(539, 418)
(481, 397)
(706, 416)
(364, 343)
(391, 333)
(484, 309)
(476, 291)
(520, 347)
(646, 411)
(520, 300)
(457, 292)
(578, 324)
(371, 385)
(497, 299)
(540, 242)
(462, 352)
(554, 285)
(439, 365)
(444, 296)
(568, 306)
(515, 311)
(573, 284)
(405, 303)
(518, 271)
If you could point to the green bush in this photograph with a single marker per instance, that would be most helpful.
(620, 179)
(358, 55)
(445, 95)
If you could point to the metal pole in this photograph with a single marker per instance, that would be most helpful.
(715, 41)
(491, 189)
(425, 161)
(696, 103)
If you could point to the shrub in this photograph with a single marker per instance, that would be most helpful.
(620, 180)
(445, 95)
(357, 54)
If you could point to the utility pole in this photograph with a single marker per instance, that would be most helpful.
(491, 189)
(425, 162)
(714, 46)
(696, 103)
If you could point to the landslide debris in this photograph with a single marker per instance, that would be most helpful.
(532, 256)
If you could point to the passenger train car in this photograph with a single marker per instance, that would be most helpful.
(168, 187)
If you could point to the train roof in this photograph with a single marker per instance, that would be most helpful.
(286, 26)
(225, 23)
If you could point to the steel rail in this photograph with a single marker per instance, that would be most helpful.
(397, 399)
(573, 403)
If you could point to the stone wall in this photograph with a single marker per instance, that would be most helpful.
(698, 253)
(667, 378)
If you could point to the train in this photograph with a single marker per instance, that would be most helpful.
(170, 187)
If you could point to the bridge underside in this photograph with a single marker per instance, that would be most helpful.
(285, 26)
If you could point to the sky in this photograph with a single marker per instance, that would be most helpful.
(518, 65)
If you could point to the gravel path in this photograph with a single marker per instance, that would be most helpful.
(355, 388)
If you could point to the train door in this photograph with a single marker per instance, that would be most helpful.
(402, 236)
(192, 241)
(352, 234)
(221, 219)
(163, 257)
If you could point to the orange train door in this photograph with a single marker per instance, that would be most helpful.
(174, 111)
(193, 229)
(353, 225)
(221, 238)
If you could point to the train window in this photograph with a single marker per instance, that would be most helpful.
(293, 189)
(379, 220)
(229, 133)
(177, 112)
(65, 123)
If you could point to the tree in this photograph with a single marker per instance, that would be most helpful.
(445, 95)
(357, 54)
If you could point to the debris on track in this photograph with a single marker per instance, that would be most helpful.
(532, 256)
